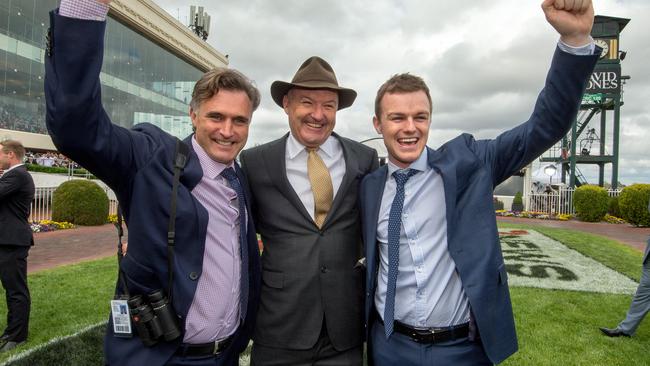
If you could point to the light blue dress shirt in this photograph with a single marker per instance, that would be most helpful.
(429, 292)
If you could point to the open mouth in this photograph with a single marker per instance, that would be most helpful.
(315, 125)
(224, 143)
(410, 141)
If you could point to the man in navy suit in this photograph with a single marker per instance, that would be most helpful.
(16, 195)
(436, 282)
(216, 269)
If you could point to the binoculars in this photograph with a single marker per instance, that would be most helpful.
(153, 319)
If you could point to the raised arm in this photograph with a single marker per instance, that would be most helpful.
(76, 119)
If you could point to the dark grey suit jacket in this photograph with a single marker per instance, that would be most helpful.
(307, 273)
(16, 194)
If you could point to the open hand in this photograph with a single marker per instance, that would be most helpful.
(573, 19)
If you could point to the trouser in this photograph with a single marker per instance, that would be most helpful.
(640, 303)
(322, 353)
(13, 273)
(401, 350)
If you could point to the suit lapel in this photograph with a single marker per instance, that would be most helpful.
(192, 173)
(374, 185)
(351, 172)
(274, 161)
(448, 174)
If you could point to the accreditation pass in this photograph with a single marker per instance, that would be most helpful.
(121, 319)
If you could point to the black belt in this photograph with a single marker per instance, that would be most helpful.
(204, 349)
(431, 335)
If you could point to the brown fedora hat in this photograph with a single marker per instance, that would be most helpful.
(314, 73)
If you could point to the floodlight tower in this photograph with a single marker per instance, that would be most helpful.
(603, 95)
(199, 22)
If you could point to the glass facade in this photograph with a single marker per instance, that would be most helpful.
(141, 81)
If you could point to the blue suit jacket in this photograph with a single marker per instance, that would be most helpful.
(137, 165)
(470, 170)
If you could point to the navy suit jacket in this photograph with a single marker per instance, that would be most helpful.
(470, 170)
(137, 165)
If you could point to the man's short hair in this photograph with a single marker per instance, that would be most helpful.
(14, 146)
(400, 84)
(227, 79)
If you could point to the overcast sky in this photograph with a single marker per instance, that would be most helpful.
(484, 61)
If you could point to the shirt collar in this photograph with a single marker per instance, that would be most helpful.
(211, 168)
(420, 164)
(12, 167)
(294, 147)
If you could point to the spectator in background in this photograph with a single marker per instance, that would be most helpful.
(16, 195)
(640, 302)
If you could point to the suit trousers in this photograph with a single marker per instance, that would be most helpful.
(401, 350)
(13, 273)
(640, 303)
(322, 353)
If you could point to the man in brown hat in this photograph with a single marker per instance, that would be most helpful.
(304, 187)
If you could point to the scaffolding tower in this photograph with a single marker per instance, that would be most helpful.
(603, 97)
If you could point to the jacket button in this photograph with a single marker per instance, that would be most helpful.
(324, 269)
(194, 276)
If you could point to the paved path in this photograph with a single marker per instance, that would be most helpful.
(60, 247)
(55, 248)
(633, 236)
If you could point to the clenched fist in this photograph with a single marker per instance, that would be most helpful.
(573, 19)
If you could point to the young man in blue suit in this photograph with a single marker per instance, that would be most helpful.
(436, 283)
(216, 269)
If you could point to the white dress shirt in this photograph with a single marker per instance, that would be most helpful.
(296, 164)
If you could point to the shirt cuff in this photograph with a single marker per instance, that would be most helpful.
(585, 50)
(83, 9)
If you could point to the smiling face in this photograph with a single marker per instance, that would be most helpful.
(404, 123)
(312, 114)
(221, 124)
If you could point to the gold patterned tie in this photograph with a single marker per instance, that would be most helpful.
(321, 186)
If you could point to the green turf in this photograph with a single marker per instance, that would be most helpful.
(65, 300)
(554, 327)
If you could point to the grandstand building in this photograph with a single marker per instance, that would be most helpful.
(151, 62)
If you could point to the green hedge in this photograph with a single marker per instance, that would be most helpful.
(633, 204)
(613, 207)
(591, 203)
(517, 203)
(498, 204)
(81, 202)
(53, 169)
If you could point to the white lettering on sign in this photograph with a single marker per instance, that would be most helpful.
(603, 80)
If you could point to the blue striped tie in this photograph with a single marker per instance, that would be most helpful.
(394, 229)
(229, 174)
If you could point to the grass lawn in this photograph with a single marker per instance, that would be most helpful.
(554, 327)
(65, 300)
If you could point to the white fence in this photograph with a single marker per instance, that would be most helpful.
(556, 202)
(41, 207)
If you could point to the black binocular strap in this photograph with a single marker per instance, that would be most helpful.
(180, 158)
(181, 153)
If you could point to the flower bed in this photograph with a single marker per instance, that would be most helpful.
(49, 225)
(544, 216)
(533, 215)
